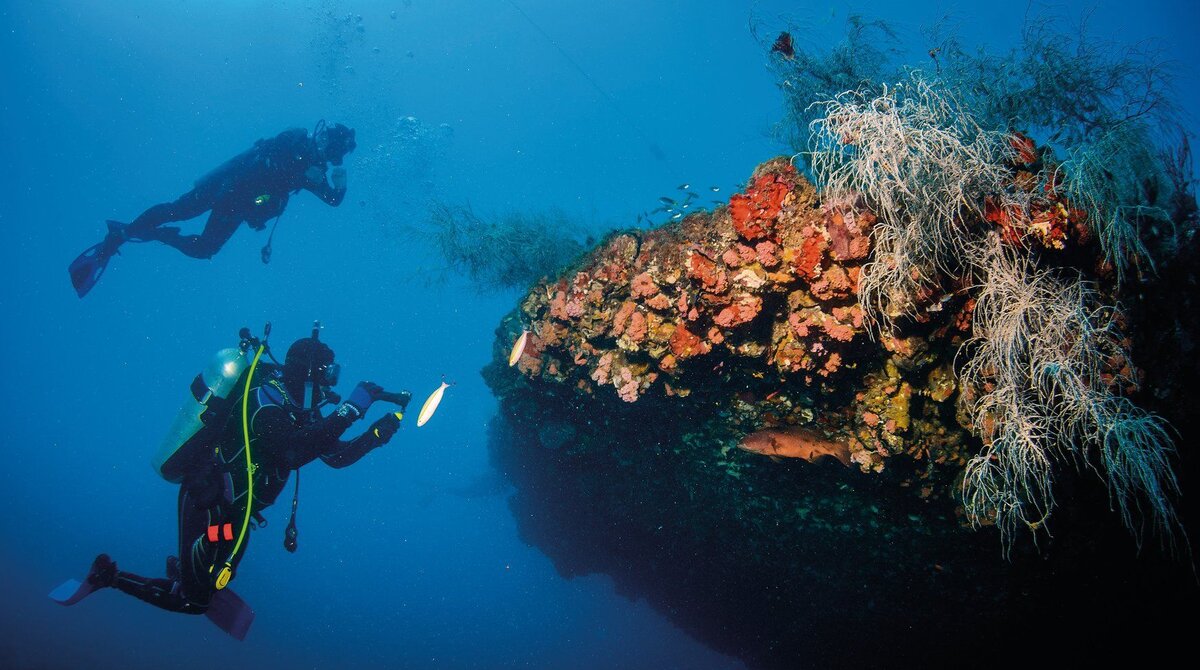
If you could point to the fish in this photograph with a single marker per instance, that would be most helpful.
(714, 189)
(795, 442)
(784, 46)
(690, 196)
(666, 201)
(676, 216)
(664, 208)
(431, 404)
(518, 347)
(683, 187)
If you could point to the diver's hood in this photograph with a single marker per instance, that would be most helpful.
(339, 142)
(309, 366)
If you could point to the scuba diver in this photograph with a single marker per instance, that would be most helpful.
(253, 186)
(245, 428)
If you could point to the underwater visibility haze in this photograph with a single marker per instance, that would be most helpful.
(738, 335)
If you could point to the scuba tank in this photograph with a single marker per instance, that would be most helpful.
(205, 411)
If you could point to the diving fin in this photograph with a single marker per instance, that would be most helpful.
(230, 613)
(71, 591)
(89, 266)
(101, 574)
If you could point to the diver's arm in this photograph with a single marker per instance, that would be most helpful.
(376, 435)
(348, 452)
(274, 427)
(316, 184)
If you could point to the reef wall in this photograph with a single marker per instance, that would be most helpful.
(701, 412)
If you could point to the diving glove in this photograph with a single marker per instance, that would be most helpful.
(385, 427)
(337, 177)
(360, 399)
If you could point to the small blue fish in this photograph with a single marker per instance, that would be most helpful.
(677, 216)
(666, 201)
(683, 187)
(714, 189)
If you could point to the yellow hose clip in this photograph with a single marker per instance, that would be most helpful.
(224, 576)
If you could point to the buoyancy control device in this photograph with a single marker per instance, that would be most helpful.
(204, 414)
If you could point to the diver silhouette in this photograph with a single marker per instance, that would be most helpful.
(253, 186)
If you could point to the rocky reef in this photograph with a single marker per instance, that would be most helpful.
(704, 412)
(751, 313)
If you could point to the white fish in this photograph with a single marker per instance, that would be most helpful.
(518, 348)
(431, 405)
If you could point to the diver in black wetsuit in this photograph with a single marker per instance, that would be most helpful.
(284, 436)
(254, 187)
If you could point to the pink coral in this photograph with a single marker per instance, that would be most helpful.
(659, 302)
(643, 285)
(635, 331)
(558, 306)
(742, 311)
(622, 317)
(834, 284)
(738, 255)
(767, 253)
(603, 370)
(627, 385)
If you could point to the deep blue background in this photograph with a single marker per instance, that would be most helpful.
(108, 107)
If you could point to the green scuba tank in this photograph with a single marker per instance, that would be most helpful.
(203, 414)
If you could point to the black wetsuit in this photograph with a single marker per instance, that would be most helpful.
(254, 187)
(283, 437)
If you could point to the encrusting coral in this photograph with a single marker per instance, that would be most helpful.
(752, 308)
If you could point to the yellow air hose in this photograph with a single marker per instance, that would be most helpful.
(226, 573)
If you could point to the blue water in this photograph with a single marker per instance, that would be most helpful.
(108, 107)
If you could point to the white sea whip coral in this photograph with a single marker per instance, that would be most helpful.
(1033, 374)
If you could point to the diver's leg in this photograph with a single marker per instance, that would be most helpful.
(220, 227)
(187, 206)
(159, 592)
(187, 587)
(199, 508)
